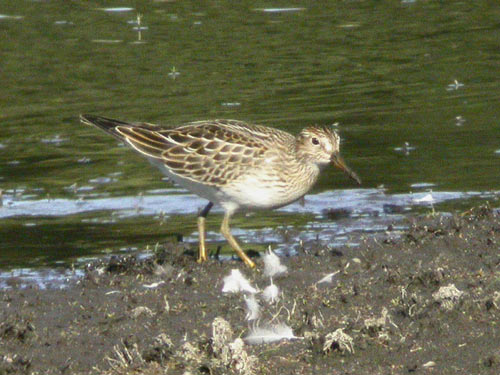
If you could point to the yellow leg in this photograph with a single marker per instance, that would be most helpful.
(226, 232)
(202, 251)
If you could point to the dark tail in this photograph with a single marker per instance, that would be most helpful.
(106, 124)
(142, 137)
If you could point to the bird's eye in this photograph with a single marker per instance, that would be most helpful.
(315, 141)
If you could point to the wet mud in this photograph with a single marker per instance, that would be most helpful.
(421, 300)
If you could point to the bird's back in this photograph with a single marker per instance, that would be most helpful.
(213, 152)
(239, 131)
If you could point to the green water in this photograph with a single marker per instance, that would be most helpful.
(382, 69)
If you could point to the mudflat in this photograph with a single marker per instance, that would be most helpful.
(423, 299)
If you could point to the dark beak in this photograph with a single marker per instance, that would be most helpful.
(339, 163)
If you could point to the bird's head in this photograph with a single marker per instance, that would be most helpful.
(320, 145)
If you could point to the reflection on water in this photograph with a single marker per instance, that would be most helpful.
(117, 9)
(48, 231)
(414, 85)
(131, 224)
(355, 202)
(39, 278)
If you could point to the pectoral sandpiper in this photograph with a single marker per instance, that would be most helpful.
(232, 163)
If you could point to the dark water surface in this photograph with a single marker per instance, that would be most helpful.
(425, 73)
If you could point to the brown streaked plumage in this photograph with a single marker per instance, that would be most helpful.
(232, 163)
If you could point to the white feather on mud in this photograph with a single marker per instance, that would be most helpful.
(237, 283)
(270, 333)
(271, 293)
(253, 307)
(328, 278)
(272, 264)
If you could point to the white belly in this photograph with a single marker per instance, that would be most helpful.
(252, 193)
(247, 192)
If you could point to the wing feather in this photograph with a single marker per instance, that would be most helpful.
(209, 152)
(200, 154)
(146, 141)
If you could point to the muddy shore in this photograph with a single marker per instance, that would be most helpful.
(421, 300)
